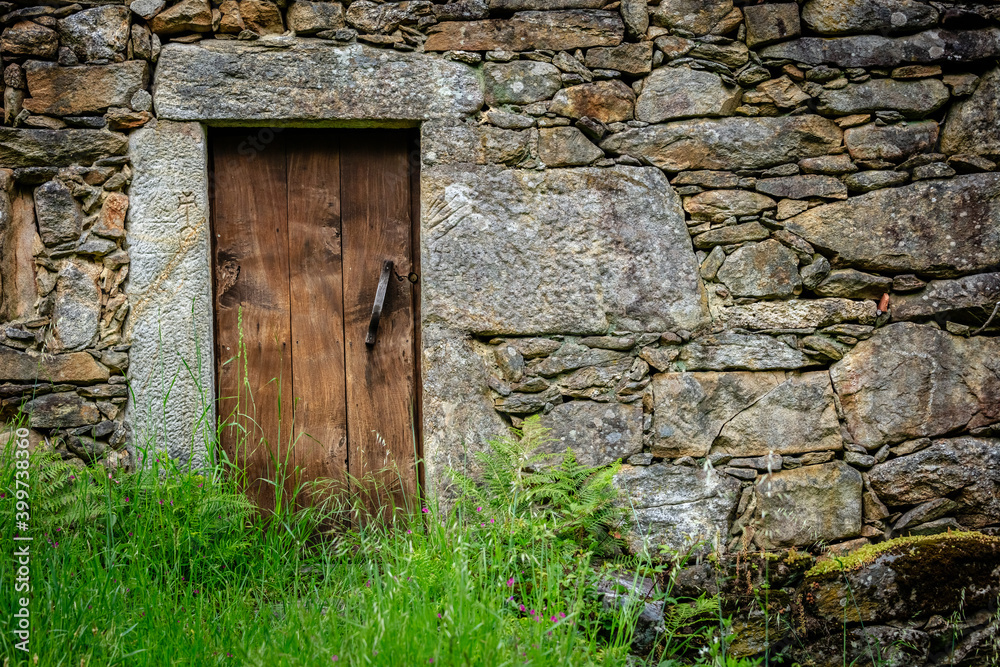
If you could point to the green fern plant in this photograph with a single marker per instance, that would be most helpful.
(521, 480)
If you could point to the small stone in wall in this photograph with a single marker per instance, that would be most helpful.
(147, 9)
(82, 89)
(26, 38)
(694, 16)
(531, 30)
(681, 92)
(806, 314)
(628, 58)
(740, 351)
(798, 415)
(263, 16)
(718, 205)
(891, 142)
(635, 14)
(913, 99)
(520, 82)
(308, 18)
(811, 504)
(803, 187)
(853, 284)
(771, 23)
(836, 17)
(766, 270)
(727, 143)
(732, 54)
(867, 181)
(676, 506)
(690, 409)
(16, 366)
(748, 231)
(185, 16)
(58, 214)
(597, 433)
(77, 305)
(781, 92)
(99, 33)
(566, 147)
(60, 410)
(607, 101)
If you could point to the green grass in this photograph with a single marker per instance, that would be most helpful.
(171, 567)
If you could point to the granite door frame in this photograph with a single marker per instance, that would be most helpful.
(168, 232)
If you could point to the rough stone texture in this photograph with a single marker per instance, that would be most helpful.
(458, 411)
(806, 314)
(717, 205)
(853, 284)
(577, 250)
(450, 142)
(728, 143)
(811, 504)
(520, 82)
(193, 15)
(676, 506)
(981, 290)
(606, 101)
(628, 58)
(840, 17)
(911, 381)
(803, 187)
(866, 181)
(690, 409)
(82, 89)
(34, 148)
(597, 433)
(169, 245)
(964, 469)
(973, 125)
(77, 306)
(771, 23)
(527, 31)
(26, 38)
(308, 18)
(767, 270)
(57, 214)
(697, 16)
(913, 99)
(64, 409)
(931, 46)
(566, 147)
(891, 142)
(738, 351)
(97, 33)
(749, 231)
(682, 92)
(17, 366)
(219, 80)
(796, 416)
(897, 230)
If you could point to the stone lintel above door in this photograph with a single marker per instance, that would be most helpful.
(309, 80)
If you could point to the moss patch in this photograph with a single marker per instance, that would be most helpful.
(927, 546)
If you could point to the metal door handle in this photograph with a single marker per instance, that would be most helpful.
(383, 285)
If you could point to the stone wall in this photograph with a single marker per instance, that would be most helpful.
(751, 250)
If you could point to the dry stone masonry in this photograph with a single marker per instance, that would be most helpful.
(751, 249)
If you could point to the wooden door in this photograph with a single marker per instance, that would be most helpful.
(303, 222)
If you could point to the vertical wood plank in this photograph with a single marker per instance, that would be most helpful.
(252, 275)
(317, 307)
(376, 212)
